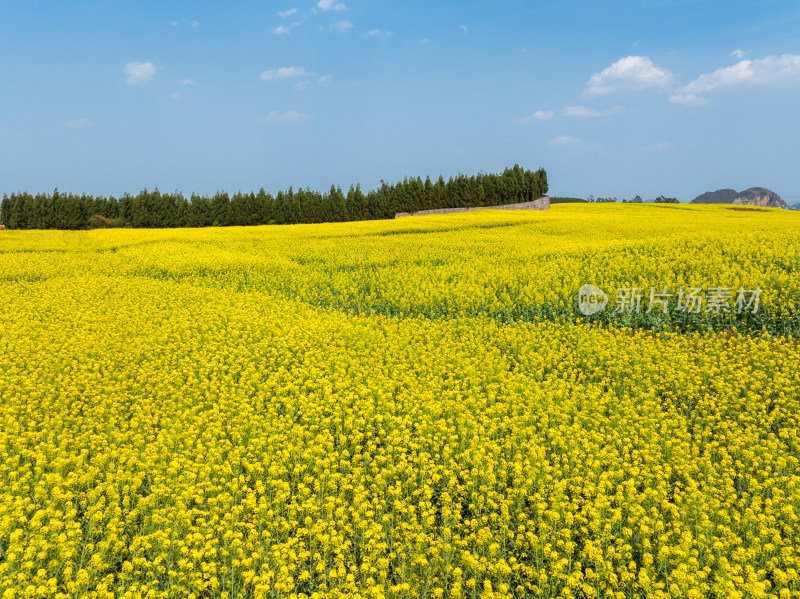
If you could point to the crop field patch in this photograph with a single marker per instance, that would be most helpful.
(352, 410)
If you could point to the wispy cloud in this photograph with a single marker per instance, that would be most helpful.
(463, 28)
(341, 26)
(571, 111)
(539, 115)
(290, 116)
(176, 95)
(185, 82)
(288, 12)
(737, 53)
(283, 73)
(659, 147)
(762, 71)
(424, 40)
(688, 100)
(330, 5)
(12, 133)
(574, 144)
(139, 72)
(77, 123)
(324, 80)
(588, 113)
(377, 33)
(191, 23)
(628, 74)
(285, 29)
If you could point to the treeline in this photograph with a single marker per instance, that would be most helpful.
(563, 200)
(637, 200)
(153, 209)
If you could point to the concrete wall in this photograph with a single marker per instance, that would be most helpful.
(542, 203)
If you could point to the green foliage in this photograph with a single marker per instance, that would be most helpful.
(153, 209)
(99, 221)
(561, 200)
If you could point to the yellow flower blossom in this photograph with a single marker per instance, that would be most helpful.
(401, 409)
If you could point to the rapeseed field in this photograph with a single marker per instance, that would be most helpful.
(402, 409)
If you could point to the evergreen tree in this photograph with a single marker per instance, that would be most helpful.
(4, 208)
(264, 206)
(200, 214)
(220, 206)
(154, 209)
(279, 211)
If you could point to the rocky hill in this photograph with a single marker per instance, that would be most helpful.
(759, 196)
(753, 196)
(721, 196)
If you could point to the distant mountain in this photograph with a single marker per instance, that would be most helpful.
(759, 196)
(721, 196)
(753, 196)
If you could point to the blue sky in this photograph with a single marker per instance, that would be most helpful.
(612, 98)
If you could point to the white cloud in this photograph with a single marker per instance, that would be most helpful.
(185, 82)
(539, 115)
(564, 141)
(139, 72)
(737, 53)
(174, 23)
(377, 33)
(627, 74)
(586, 112)
(286, 13)
(324, 80)
(762, 71)
(575, 111)
(194, 24)
(688, 100)
(77, 123)
(341, 26)
(580, 111)
(175, 95)
(12, 133)
(574, 144)
(283, 73)
(659, 147)
(285, 29)
(463, 28)
(330, 5)
(290, 116)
